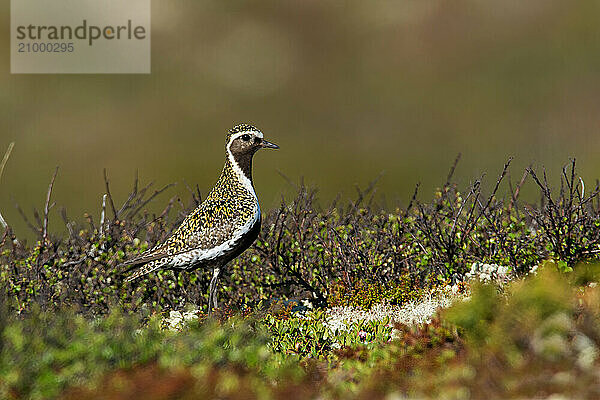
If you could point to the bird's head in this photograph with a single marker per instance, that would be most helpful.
(245, 140)
(242, 142)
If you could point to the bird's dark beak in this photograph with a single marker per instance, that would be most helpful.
(268, 145)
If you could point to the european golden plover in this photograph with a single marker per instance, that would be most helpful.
(223, 226)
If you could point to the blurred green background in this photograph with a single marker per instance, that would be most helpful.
(347, 89)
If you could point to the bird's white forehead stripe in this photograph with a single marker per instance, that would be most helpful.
(237, 135)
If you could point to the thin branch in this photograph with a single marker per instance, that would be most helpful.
(27, 222)
(110, 199)
(515, 194)
(102, 214)
(493, 194)
(413, 199)
(63, 214)
(47, 206)
(132, 195)
(196, 196)
(2, 164)
(288, 180)
(38, 220)
(362, 193)
(5, 158)
(473, 189)
(149, 199)
(3, 223)
(452, 169)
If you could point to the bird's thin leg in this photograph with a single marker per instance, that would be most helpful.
(212, 296)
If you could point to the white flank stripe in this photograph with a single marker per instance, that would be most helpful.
(200, 255)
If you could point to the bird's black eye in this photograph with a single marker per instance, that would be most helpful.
(245, 137)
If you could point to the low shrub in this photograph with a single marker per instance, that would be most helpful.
(354, 254)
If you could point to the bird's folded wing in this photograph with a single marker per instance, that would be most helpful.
(195, 242)
(191, 235)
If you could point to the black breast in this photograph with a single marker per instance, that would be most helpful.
(246, 241)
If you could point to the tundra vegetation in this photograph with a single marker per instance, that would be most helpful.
(465, 295)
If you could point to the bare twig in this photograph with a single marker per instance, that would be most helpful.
(48, 206)
(149, 199)
(287, 179)
(132, 196)
(2, 164)
(413, 199)
(462, 205)
(74, 262)
(5, 158)
(196, 196)
(38, 220)
(493, 194)
(29, 224)
(515, 194)
(69, 225)
(452, 169)
(3, 222)
(110, 199)
(361, 194)
(103, 213)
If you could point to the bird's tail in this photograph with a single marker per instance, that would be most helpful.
(144, 264)
(141, 270)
